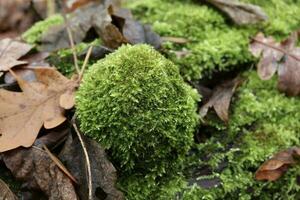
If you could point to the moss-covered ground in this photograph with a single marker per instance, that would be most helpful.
(262, 121)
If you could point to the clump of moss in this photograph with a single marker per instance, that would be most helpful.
(135, 103)
(215, 44)
(263, 122)
(34, 34)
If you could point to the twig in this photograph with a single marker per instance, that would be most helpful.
(276, 48)
(87, 159)
(50, 7)
(86, 59)
(71, 41)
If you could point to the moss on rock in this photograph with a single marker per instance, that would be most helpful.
(135, 103)
(34, 34)
(214, 43)
(263, 122)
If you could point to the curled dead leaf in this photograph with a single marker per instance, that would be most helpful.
(220, 99)
(275, 167)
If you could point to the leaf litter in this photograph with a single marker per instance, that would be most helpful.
(281, 57)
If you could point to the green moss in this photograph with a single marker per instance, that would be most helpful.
(135, 103)
(215, 44)
(262, 123)
(34, 34)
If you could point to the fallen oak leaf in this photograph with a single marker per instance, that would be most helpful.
(240, 13)
(104, 174)
(24, 71)
(275, 167)
(22, 114)
(282, 57)
(220, 99)
(59, 164)
(37, 170)
(5, 192)
(10, 52)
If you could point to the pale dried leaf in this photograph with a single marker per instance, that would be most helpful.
(282, 57)
(22, 114)
(10, 52)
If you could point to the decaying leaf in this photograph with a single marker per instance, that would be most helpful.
(104, 174)
(133, 31)
(275, 167)
(283, 57)
(18, 15)
(10, 52)
(94, 15)
(240, 13)
(5, 192)
(114, 26)
(22, 114)
(34, 167)
(220, 99)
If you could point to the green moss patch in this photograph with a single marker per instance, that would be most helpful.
(263, 122)
(215, 43)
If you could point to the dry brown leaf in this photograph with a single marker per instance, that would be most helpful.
(37, 170)
(240, 13)
(19, 15)
(275, 167)
(220, 99)
(283, 57)
(268, 63)
(94, 15)
(5, 192)
(22, 114)
(104, 175)
(10, 52)
(59, 164)
(113, 25)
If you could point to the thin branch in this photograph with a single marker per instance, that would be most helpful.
(277, 48)
(87, 159)
(86, 59)
(71, 41)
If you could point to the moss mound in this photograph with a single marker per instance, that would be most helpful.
(263, 122)
(215, 44)
(135, 103)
